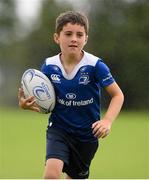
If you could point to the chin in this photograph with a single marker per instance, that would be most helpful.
(73, 52)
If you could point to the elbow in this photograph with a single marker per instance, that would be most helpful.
(121, 96)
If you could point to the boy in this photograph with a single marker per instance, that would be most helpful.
(75, 124)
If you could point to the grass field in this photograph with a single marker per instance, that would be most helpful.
(124, 154)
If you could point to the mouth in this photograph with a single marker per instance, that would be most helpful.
(74, 46)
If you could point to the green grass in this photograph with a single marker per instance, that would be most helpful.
(22, 144)
(123, 154)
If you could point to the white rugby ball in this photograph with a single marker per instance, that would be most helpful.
(37, 84)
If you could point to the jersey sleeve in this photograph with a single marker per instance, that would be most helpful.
(45, 69)
(103, 75)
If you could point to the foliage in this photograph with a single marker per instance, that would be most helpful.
(118, 34)
(29, 52)
(7, 21)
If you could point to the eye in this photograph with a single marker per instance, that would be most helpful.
(79, 34)
(68, 33)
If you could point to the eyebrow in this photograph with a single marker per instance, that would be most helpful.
(72, 31)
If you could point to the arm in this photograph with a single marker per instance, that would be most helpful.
(27, 103)
(102, 128)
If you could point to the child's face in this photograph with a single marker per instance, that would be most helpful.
(71, 39)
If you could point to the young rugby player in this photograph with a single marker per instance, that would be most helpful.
(75, 125)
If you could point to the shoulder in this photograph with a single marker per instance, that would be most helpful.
(50, 65)
(52, 60)
(96, 62)
(91, 59)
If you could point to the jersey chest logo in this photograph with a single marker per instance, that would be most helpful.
(55, 78)
(84, 79)
(71, 96)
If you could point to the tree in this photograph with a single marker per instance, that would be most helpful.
(39, 44)
(7, 21)
(119, 34)
(31, 51)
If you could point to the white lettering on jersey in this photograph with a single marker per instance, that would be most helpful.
(75, 103)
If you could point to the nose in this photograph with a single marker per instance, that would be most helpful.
(74, 38)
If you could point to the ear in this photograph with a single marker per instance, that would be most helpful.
(56, 38)
(86, 39)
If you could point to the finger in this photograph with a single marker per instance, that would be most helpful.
(94, 124)
(99, 133)
(97, 127)
(30, 99)
(21, 93)
(35, 109)
(34, 106)
(30, 102)
(105, 134)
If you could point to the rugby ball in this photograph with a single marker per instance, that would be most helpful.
(37, 84)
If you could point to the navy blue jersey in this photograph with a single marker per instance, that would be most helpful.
(77, 94)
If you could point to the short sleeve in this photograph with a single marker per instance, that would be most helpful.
(44, 68)
(103, 75)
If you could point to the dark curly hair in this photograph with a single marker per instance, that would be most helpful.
(73, 18)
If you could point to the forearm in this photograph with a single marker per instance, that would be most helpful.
(102, 128)
(114, 107)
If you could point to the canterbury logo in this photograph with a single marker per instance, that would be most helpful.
(55, 77)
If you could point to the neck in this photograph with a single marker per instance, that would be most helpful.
(71, 59)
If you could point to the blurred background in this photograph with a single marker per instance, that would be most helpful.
(119, 33)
